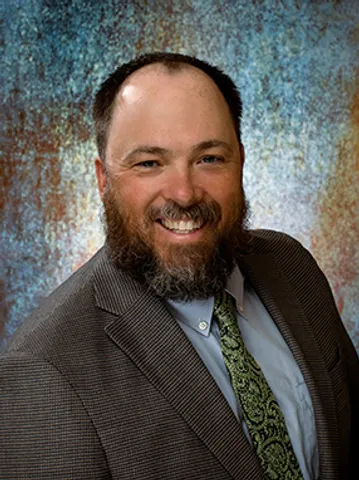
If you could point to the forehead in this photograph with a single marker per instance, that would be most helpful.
(157, 79)
(171, 109)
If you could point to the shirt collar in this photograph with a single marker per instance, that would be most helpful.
(235, 286)
(198, 313)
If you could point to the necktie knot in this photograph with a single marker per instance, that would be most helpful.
(224, 309)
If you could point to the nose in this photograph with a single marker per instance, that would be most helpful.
(181, 186)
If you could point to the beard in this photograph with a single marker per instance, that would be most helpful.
(183, 272)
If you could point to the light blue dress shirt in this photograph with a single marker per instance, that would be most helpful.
(266, 344)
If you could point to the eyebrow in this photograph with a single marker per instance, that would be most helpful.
(206, 145)
(154, 150)
(151, 150)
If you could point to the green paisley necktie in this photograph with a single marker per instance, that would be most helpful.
(261, 412)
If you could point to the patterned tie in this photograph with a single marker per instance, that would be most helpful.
(261, 412)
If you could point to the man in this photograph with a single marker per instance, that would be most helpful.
(135, 368)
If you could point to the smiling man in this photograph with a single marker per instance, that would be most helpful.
(170, 180)
(188, 346)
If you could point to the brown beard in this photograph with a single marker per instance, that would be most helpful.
(188, 272)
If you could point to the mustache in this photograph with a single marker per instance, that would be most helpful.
(206, 212)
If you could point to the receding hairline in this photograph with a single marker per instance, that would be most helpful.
(107, 95)
(170, 67)
(174, 69)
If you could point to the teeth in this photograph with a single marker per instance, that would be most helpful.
(181, 226)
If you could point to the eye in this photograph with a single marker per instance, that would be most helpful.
(211, 159)
(147, 164)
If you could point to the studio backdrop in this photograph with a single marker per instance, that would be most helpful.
(296, 63)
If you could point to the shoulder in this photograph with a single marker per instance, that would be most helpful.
(272, 241)
(61, 315)
(286, 250)
(295, 262)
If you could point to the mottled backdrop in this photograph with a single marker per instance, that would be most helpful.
(296, 63)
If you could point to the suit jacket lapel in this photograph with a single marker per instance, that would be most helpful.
(151, 337)
(281, 302)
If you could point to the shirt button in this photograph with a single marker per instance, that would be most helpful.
(203, 325)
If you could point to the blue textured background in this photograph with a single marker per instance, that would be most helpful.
(297, 65)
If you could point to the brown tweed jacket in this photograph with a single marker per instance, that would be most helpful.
(101, 382)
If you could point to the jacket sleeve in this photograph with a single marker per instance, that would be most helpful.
(45, 432)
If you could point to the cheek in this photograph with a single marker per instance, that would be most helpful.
(231, 207)
(228, 195)
(136, 194)
(129, 197)
(135, 206)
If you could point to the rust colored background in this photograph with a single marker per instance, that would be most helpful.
(296, 64)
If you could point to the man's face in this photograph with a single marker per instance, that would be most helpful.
(172, 188)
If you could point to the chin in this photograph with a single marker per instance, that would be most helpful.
(177, 255)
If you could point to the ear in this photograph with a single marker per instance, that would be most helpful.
(243, 156)
(101, 176)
